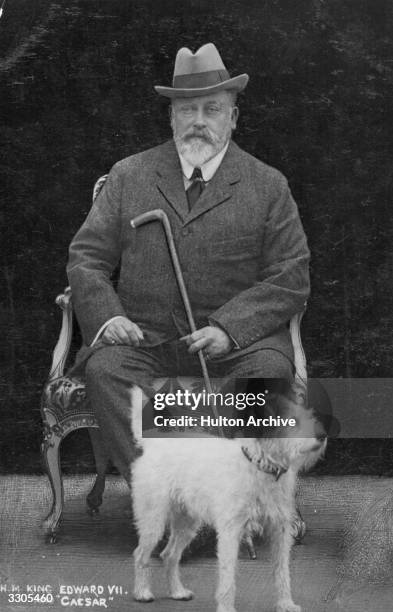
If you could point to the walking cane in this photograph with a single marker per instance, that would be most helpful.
(159, 215)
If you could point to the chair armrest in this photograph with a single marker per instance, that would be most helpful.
(299, 355)
(98, 185)
(62, 347)
(64, 301)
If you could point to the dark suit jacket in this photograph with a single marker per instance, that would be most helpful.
(242, 249)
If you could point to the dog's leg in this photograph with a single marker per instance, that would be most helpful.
(281, 548)
(183, 530)
(149, 534)
(165, 552)
(228, 540)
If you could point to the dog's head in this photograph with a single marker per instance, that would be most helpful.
(300, 434)
(297, 437)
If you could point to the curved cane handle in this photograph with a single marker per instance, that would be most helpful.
(147, 217)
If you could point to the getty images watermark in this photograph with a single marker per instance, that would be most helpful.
(179, 407)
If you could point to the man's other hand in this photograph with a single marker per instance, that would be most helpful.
(214, 342)
(122, 331)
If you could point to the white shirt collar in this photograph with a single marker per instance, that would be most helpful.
(208, 169)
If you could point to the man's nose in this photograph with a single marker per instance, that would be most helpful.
(199, 119)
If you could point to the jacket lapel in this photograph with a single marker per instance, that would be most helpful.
(171, 186)
(170, 180)
(220, 188)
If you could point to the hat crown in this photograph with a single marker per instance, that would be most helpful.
(205, 59)
(199, 74)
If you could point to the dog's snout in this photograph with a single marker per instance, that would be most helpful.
(320, 432)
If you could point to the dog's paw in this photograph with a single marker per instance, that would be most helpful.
(287, 605)
(182, 594)
(221, 608)
(143, 595)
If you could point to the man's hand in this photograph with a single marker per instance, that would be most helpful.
(214, 341)
(122, 331)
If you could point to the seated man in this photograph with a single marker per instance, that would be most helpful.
(240, 242)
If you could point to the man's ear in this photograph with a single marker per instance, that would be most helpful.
(234, 116)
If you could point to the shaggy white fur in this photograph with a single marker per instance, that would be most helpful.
(185, 482)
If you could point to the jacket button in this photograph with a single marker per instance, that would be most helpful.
(186, 231)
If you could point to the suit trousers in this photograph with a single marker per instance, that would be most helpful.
(112, 369)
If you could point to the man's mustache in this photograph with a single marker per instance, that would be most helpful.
(202, 134)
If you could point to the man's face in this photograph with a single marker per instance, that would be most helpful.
(203, 125)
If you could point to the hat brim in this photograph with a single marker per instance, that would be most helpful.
(237, 83)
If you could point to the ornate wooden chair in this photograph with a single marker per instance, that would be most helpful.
(64, 408)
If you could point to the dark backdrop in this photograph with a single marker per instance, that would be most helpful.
(77, 95)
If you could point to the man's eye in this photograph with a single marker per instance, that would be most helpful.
(187, 110)
(213, 110)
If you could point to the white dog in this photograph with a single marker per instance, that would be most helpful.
(236, 486)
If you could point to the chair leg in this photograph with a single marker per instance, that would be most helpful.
(252, 553)
(298, 529)
(94, 498)
(50, 453)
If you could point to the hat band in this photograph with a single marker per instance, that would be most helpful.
(200, 79)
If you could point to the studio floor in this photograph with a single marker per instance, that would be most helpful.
(95, 552)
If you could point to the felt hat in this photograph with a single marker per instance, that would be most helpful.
(200, 74)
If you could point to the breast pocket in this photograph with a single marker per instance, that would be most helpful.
(238, 247)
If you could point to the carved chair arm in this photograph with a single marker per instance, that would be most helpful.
(63, 300)
(299, 355)
(62, 347)
(298, 351)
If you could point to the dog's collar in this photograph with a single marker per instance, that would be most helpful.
(266, 465)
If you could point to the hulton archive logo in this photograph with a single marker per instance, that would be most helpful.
(239, 407)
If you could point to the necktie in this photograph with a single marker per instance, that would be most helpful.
(196, 187)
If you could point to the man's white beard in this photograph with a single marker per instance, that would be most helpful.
(197, 151)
